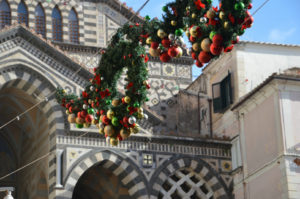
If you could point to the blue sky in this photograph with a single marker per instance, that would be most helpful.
(277, 22)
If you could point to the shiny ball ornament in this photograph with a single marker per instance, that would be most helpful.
(187, 33)
(95, 122)
(107, 140)
(131, 120)
(109, 130)
(194, 31)
(88, 119)
(79, 120)
(154, 45)
(196, 47)
(115, 102)
(110, 114)
(72, 118)
(212, 34)
(222, 15)
(140, 116)
(90, 101)
(179, 32)
(92, 88)
(67, 112)
(148, 40)
(204, 57)
(171, 37)
(127, 99)
(161, 33)
(140, 110)
(205, 44)
(91, 111)
(101, 125)
(217, 39)
(180, 52)
(173, 51)
(216, 49)
(194, 15)
(226, 24)
(114, 141)
(173, 23)
(188, 8)
(198, 64)
(211, 14)
(146, 117)
(115, 121)
(86, 125)
(85, 106)
(203, 20)
(164, 57)
(166, 43)
(101, 131)
(124, 133)
(154, 52)
(135, 129)
(239, 6)
(79, 126)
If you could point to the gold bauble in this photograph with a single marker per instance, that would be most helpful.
(205, 44)
(194, 15)
(90, 101)
(193, 31)
(211, 14)
(95, 122)
(110, 114)
(140, 115)
(154, 52)
(127, 99)
(187, 33)
(101, 118)
(222, 15)
(196, 46)
(124, 133)
(115, 102)
(86, 125)
(71, 118)
(79, 120)
(180, 52)
(226, 24)
(161, 33)
(114, 141)
(140, 110)
(135, 129)
(145, 82)
(67, 112)
(173, 23)
(101, 130)
(148, 40)
(109, 130)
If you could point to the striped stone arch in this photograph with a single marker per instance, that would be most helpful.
(38, 86)
(132, 177)
(201, 171)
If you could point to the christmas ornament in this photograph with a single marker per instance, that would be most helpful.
(161, 33)
(198, 64)
(154, 52)
(171, 37)
(222, 15)
(148, 40)
(154, 45)
(173, 51)
(71, 118)
(216, 49)
(211, 14)
(179, 32)
(109, 130)
(205, 44)
(124, 133)
(127, 99)
(115, 102)
(114, 141)
(204, 57)
(85, 106)
(196, 46)
(173, 23)
(132, 120)
(203, 20)
(239, 6)
(164, 57)
(166, 43)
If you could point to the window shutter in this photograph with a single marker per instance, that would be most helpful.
(217, 100)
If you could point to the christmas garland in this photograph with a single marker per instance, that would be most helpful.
(211, 30)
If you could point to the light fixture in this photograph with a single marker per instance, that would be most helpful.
(8, 196)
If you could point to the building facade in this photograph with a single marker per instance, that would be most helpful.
(50, 44)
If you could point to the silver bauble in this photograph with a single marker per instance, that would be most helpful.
(145, 116)
(203, 19)
(85, 106)
(131, 120)
(92, 88)
(171, 37)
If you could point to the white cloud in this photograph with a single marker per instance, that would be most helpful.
(279, 36)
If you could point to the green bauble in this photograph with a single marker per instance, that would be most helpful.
(115, 121)
(108, 102)
(136, 104)
(79, 126)
(212, 34)
(147, 17)
(241, 32)
(179, 32)
(165, 8)
(239, 6)
(91, 111)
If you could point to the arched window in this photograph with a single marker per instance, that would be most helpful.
(56, 24)
(40, 27)
(73, 27)
(5, 17)
(22, 13)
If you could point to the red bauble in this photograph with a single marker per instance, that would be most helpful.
(216, 49)
(250, 6)
(166, 43)
(204, 57)
(229, 48)
(198, 64)
(173, 51)
(192, 39)
(88, 119)
(83, 114)
(164, 57)
(194, 56)
(236, 40)
(105, 119)
(125, 120)
(154, 45)
(248, 21)
(218, 39)
(70, 109)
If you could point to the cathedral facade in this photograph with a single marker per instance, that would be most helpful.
(50, 44)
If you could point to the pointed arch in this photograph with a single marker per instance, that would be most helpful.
(73, 26)
(40, 20)
(5, 14)
(57, 32)
(22, 13)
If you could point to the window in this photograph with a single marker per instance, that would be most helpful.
(22, 13)
(222, 94)
(73, 27)
(40, 27)
(5, 17)
(236, 153)
(147, 160)
(56, 25)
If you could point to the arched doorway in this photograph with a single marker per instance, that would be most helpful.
(100, 182)
(22, 141)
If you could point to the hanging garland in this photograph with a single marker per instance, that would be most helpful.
(211, 31)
